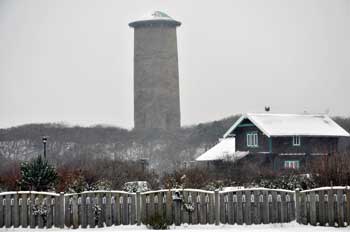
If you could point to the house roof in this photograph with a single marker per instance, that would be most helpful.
(274, 125)
(224, 150)
(155, 17)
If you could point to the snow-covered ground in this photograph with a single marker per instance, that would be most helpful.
(287, 227)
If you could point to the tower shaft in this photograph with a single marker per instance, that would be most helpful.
(156, 76)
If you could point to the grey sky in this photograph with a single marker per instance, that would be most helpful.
(72, 61)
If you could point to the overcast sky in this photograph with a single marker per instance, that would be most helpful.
(72, 61)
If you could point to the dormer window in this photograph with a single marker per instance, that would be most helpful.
(252, 139)
(296, 140)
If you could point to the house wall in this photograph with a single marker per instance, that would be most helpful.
(282, 144)
(307, 145)
(277, 145)
(241, 139)
(270, 161)
(305, 161)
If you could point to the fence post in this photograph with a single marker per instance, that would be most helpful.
(16, 211)
(297, 205)
(177, 212)
(217, 207)
(331, 199)
(61, 211)
(169, 203)
(75, 211)
(348, 205)
(340, 207)
(138, 208)
(8, 223)
(312, 208)
(108, 215)
(24, 211)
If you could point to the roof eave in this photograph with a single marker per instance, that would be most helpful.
(140, 23)
(315, 135)
(246, 116)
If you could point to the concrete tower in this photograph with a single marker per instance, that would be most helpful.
(156, 72)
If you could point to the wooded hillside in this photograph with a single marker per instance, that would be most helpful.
(163, 149)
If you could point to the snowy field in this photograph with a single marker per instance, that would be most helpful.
(288, 227)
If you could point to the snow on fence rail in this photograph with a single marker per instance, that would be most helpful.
(323, 206)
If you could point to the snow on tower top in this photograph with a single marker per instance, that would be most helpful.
(155, 18)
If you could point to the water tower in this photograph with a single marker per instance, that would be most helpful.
(156, 72)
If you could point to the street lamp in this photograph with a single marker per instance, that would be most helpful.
(44, 142)
(144, 164)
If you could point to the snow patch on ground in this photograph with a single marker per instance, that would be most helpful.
(287, 227)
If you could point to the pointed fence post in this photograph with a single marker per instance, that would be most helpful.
(297, 205)
(108, 205)
(138, 208)
(75, 211)
(217, 207)
(348, 205)
(169, 204)
(61, 211)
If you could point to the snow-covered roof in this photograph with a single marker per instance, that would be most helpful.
(292, 124)
(154, 18)
(224, 150)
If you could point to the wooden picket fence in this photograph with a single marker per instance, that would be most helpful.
(326, 206)
(256, 206)
(31, 209)
(177, 206)
(100, 208)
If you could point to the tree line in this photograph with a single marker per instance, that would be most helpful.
(107, 157)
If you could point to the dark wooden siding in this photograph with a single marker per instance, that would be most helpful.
(278, 145)
(282, 144)
(307, 145)
(241, 138)
(305, 161)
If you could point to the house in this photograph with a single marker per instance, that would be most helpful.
(280, 140)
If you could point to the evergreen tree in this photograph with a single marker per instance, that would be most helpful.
(37, 175)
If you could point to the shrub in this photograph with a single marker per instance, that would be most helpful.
(291, 182)
(70, 181)
(134, 186)
(332, 170)
(217, 184)
(194, 177)
(157, 222)
(9, 176)
(102, 184)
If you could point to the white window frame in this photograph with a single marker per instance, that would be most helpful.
(291, 164)
(252, 139)
(296, 141)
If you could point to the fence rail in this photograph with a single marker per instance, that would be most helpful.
(324, 206)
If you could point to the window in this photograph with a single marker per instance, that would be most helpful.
(252, 139)
(291, 164)
(296, 140)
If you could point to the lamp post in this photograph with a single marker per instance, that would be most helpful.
(144, 164)
(44, 142)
